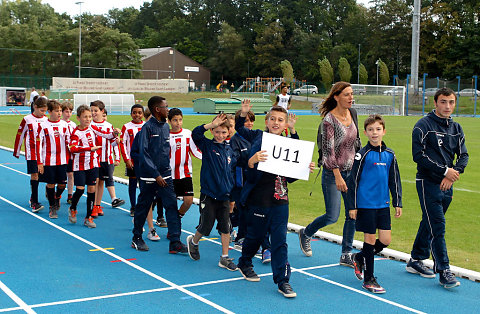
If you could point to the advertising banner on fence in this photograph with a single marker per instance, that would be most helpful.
(286, 157)
(100, 85)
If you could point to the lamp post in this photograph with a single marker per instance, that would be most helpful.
(80, 40)
(358, 68)
(377, 63)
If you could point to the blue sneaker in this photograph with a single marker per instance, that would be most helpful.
(417, 267)
(448, 280)
(266, 256)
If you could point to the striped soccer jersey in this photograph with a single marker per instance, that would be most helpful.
(72, 126)
(52, 143)
(129, 131)
(108, 146)
(81, 142)
(181, 147)
(28, 130)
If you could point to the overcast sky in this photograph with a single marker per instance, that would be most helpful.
(102, 6)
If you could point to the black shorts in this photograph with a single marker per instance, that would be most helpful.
(211, 210)
(55, 174)
(70, 166)
(32, 166)
(130, 172)
(369, 220)
(85, 177)
(183, 187)
(105, 173)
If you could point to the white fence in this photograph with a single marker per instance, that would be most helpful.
(113, 102)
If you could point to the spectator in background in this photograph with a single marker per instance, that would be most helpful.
(32, 100)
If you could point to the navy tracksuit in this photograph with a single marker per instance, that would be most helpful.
(435, 143)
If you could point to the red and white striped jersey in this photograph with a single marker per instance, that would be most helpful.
(81, 143)
(72, 126)
(129, 131)
(28, 130)
(181, 147)
(106, 153)
(52, 143)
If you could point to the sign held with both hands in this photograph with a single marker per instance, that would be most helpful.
(286, 156)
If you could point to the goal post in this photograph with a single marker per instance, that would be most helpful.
(382, 99)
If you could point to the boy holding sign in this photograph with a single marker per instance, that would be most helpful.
(266, 196)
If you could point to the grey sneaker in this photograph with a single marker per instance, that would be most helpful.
(193, 249)
(417, 267)
(226, 262)
(53, 212)
(346, 260)
(72, 216)
(89, 222)
(448, 280)
(304, 242)
(152, 235)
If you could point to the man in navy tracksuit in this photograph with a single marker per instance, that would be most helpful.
(151, 153)
(436, 140)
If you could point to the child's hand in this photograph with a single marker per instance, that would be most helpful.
(161, 181)
(95, 148)
(218, 120)
(292, 119)
(246, 107)
(116, 163)
(257, 157)
(311, 167)
(398, 212)
(40, 169)
(129, 164)
(353, 214)
(116, 131)
(446, 184)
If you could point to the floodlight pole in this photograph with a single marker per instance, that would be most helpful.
(415, 44)
(377, 63)
(358, 69)
(80, 40)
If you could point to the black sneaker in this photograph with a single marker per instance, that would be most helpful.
(227, 263)
(139, 245)
(417, 267)
(346, 260)
(36, 207)
(358, 266)
(192, 249)
(373, 286)
(305, 242)
(132, 211)
(161, 222)
(448, 280)
(249, 274)
(177, 247)
(287, 291)
(117, 202)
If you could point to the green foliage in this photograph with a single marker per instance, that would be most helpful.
(269, 43)
(287, 71)
(326, 72)
(384, 76)
(363, 74)
(344, 70)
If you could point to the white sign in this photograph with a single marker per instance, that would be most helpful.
(192, 69)
(100, 85)
(286, 156)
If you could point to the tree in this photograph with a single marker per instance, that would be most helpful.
(268, 49)
(384, 76)
(363, 74)
(326, 72)
(344, 70)
(287, 71)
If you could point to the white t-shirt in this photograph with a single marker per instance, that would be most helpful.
(32, 95)
(282, 101)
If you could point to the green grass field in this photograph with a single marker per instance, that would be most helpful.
(462, 217)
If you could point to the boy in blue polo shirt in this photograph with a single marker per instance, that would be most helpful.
(374, 173)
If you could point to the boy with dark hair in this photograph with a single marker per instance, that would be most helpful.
(151, 152)
(283, 99)
(374, 173)
(216, 182)
(436, 141)
(129, 131)
(85, 162)
(67, 110)
(28, 130)
(53, 155)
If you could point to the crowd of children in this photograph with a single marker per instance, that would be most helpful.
(233, 192)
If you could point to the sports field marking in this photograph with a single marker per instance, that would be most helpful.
(454, 188)
(17, 171)
(127, 259)
(16, 299)
(145, 271)
(105, 248)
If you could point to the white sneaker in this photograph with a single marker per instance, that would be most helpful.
(152, 235)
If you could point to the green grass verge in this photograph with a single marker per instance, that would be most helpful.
(462, 217)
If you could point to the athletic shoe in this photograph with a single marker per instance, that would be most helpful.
(287, 291)
(139, 245)
(227, 263)
(233, 235)
(373, 286)
(266, 256)
(239, 244)
(358, 266)
(95, 211)
(346, 260)
(192, 249)
(100, 211)
(447, 279)
(249, 274)
(152, 235)
(417, 267)
(53, 212)
(161, 222)
(132, 211)
(36, 207)
(117, 202)
(89, 222)
(72, 216)
(177, 247)
(305, 242)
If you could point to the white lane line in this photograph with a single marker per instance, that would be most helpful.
(20, 172)
(143, 270)
(16, 299)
